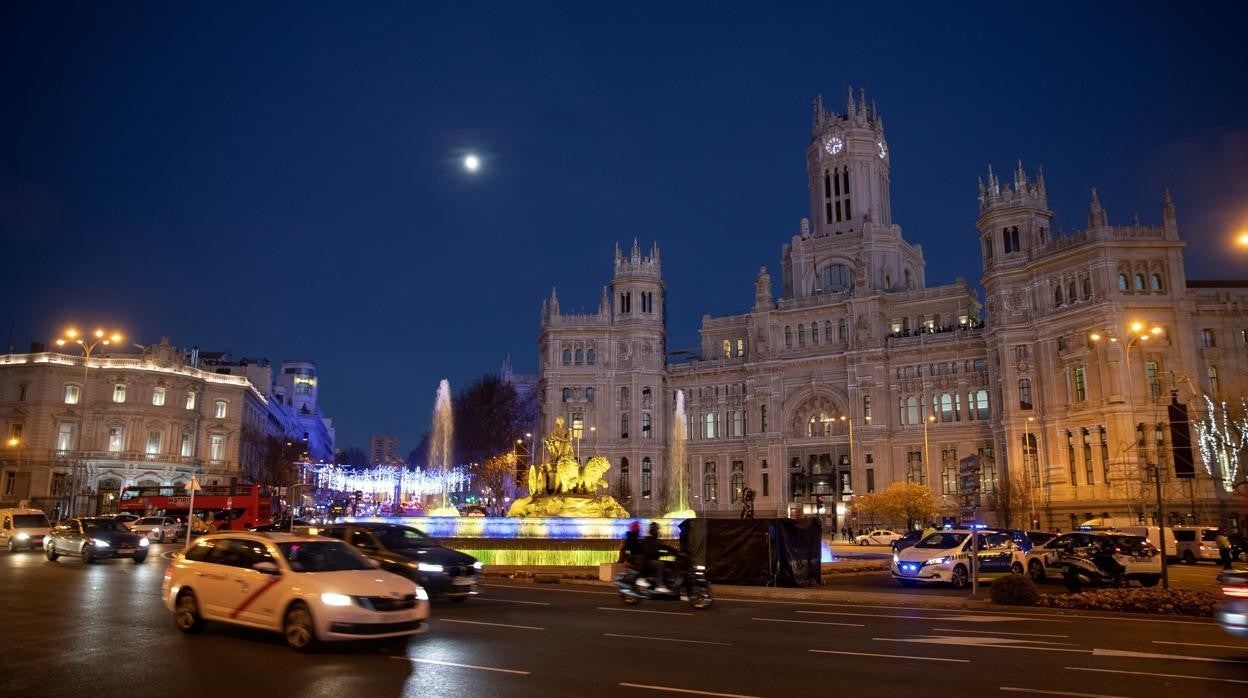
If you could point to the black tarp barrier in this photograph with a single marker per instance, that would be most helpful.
(760, 552)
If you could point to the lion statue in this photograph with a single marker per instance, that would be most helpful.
(591, 478)
(567, 475)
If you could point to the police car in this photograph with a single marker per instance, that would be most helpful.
(945, 557)
(308, 588)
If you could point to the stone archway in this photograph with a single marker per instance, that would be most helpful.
(821, 407)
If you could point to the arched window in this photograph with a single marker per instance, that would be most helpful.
(737, 482)
(819, 425)
(836, 278)
(1024, 393)
(727, 349)
(827, 330)
(842, 330)
(590, 356)
(1070, 292)
(710, 483)
(1087, 287)
(801, 335)
(624, 489)
(647, 478)
(788, 337)
(1157, 286)
(1139, 282)
(1057, 295)
(909, 279)
(814, 333)
(1122, 282)
(219, 409)
(589, 395)
(580, 356)
(567, 394)
(567, 357)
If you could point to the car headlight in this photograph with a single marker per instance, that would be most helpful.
(937, 561)
(896, 558)
(23, 536)
(143, 542)
(477, 565)
(426, 567)
(331, 599)
(421, 594)
(99, 542)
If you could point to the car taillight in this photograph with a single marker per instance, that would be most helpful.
(1236, 592)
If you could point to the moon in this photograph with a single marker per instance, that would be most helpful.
(472, 163)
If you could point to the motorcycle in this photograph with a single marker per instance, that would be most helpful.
(1095, 568)
(686, 582)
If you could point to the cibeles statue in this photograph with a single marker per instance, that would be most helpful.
(563, 487)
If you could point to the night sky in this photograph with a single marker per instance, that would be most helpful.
(284, 180)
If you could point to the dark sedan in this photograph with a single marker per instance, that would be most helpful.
(443, 572)
(911, 537)
(92, 538)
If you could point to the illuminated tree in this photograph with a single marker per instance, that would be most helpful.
(900, 501)
(1222, 436)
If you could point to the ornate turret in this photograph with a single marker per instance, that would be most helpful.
(1014, 217)
(762, 289)
(847, 166)
(1169, 221)
(1023, 194)
(1097, 217)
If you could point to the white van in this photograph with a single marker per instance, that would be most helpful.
(1153, 534)
(23, 529)
(1197, 543)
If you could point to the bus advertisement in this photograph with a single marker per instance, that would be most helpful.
(223, 507)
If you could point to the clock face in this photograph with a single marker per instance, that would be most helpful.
(883, 149)
(834, 145)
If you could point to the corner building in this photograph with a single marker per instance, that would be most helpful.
(852, 342)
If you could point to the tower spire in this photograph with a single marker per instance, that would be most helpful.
(849, 103)
(1096, 213)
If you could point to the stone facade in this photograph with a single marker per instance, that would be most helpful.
(76, 434)
(853, 341)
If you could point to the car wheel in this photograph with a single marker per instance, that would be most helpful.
(1188, 558)
(960, 577)
(629, 599)
(87, 554)
(1150, 581)
(50, 549)
(186, 614)
(139, 557)
(1016, 568)
(862, 542)
(1036, 570)
(160, 535)
(1243, 556)
(12, 546)
(701, 599)
(298, 628)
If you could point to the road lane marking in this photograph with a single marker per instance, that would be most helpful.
(989, 642)
(1152, 655)
(810, 622)
(1197, 644)
(996, 619)
(1041, 691)
(1164, 676)
(530, 603)
(463, 666)
(670, 689)
(891, 656)
(994, 632)
(1021, 615)
(640, 610)
(868, 615)
(665, 639)
(497, 625)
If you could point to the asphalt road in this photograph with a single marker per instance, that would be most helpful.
(70, 629)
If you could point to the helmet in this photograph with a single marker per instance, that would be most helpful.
(635, 527)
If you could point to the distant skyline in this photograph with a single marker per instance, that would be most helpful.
(287, 181)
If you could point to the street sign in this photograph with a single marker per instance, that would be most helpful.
(193, 486)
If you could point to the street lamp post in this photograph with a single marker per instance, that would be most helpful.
(1032, 474)
(88, 343)
(1136, 335)
(927, 458)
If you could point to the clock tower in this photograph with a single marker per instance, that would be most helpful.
(849, 244)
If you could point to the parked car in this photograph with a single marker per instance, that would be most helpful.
(910, 538)
(94, 538)
(1107, 559)
(23, 529)
(443, 572)
(1239, 547)
(309, 588)
(1045, 561)
(283, 525)
(158, 528)
(1232, 615)
(945, 557)
(880, 536)
(1196, 543)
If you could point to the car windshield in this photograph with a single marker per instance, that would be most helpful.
(1039, 537)
(101, 525)
(321, 556)
(403, 537)
(942, 541)
(30, 521)
(150, 522)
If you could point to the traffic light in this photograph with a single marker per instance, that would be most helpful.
(1180, 439)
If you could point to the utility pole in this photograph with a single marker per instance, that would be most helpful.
(1161, 525)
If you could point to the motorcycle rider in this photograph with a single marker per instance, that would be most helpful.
(630, 549)
(653, 550)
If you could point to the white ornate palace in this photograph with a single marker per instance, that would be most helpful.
(852, 373)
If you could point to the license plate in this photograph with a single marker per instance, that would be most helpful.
(126, 551)
(463, 581)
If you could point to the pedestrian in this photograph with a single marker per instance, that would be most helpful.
(1224, 548)
(931, 528)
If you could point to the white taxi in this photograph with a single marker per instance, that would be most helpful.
(945, 557)
(310, 589)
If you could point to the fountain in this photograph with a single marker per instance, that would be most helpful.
(440, 444)
(677, 499)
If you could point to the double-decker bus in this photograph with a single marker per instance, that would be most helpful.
(235, 507)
